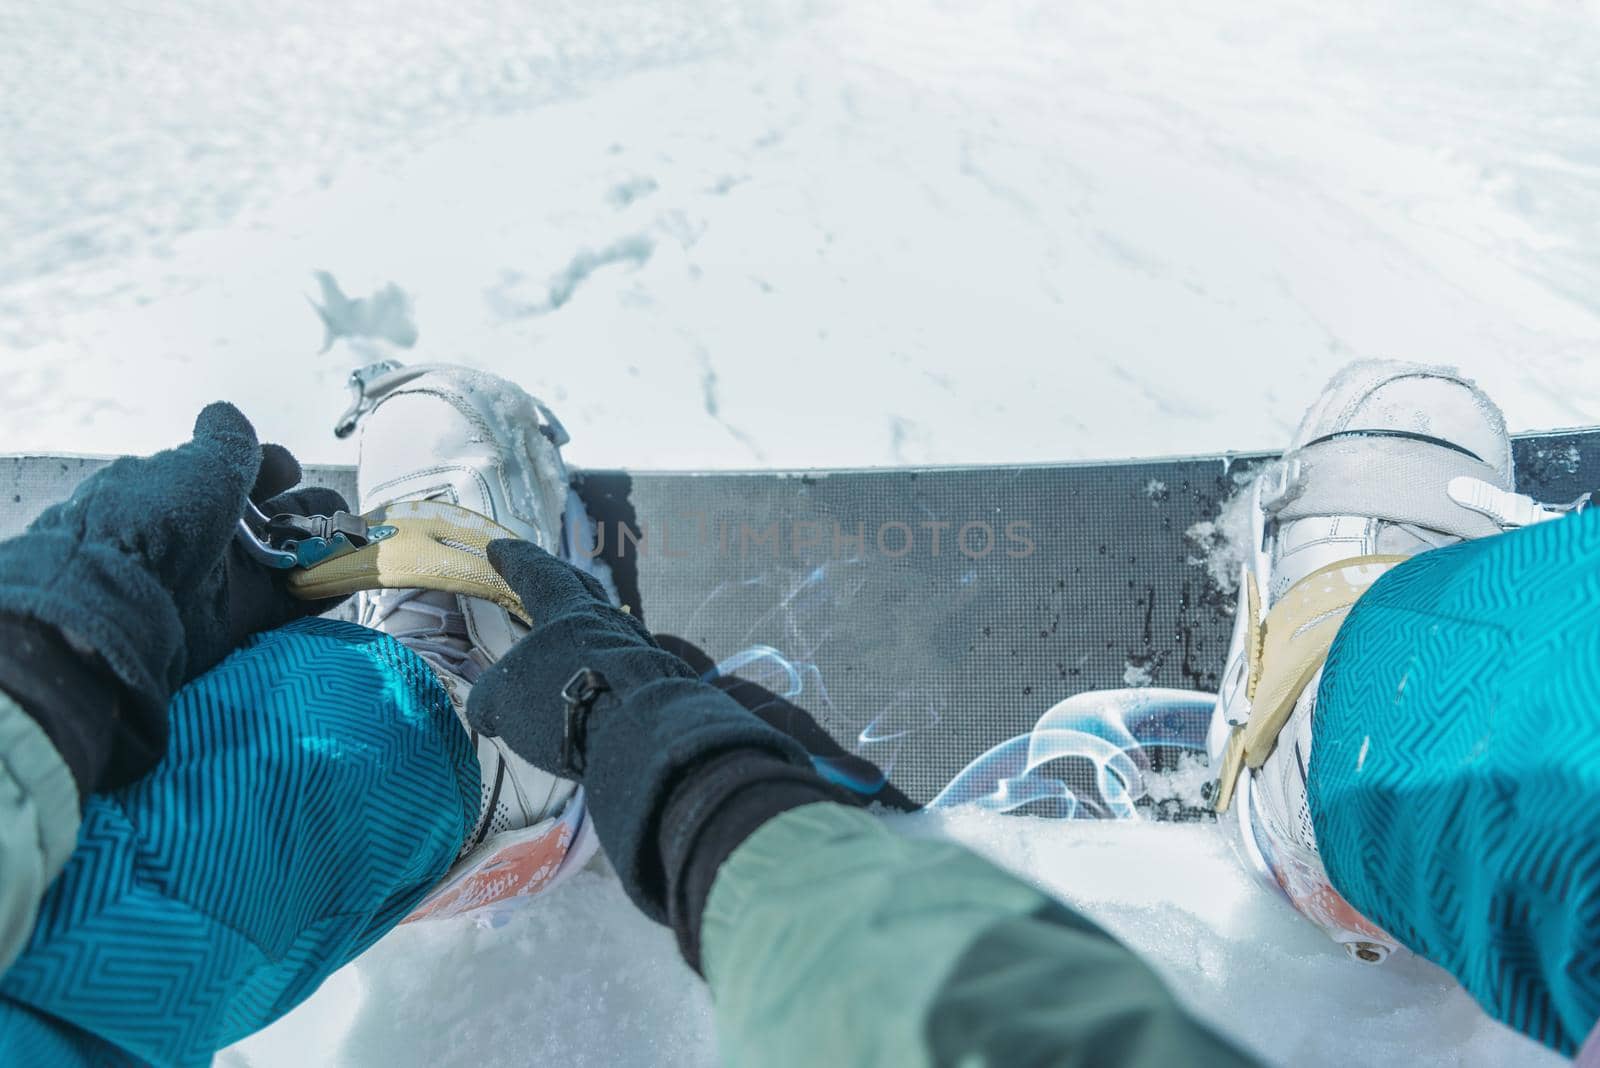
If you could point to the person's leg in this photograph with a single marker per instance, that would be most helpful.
(1456, 770)
(316, 785)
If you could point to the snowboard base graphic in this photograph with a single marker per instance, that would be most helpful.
(947, 634)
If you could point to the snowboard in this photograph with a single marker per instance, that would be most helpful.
(1042, 639)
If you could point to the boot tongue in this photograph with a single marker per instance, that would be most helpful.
(429, 623)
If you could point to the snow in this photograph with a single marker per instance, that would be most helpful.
(1184, 783)
(745, 233)
(1176, 893)
(1223, 545)
(579, 978)
(726, 233)
(1135, 674)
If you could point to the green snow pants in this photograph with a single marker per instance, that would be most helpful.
(830, 940)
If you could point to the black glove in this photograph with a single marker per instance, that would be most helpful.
(634, 721)
(114, 598)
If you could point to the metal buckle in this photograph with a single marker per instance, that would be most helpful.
(287, 541)
(579, 693)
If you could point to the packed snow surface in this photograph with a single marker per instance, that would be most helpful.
(579, 978)
(731, 234)
(748, 233)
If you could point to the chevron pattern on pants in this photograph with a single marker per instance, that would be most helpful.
(316, 785)
(1455, 774)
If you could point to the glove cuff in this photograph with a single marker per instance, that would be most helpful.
(710, 813)
(639, 747)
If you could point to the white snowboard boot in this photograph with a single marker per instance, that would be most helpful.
(444, 433)
(1392, 459)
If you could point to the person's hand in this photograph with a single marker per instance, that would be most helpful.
(591, 696)
(138, 574)
(579, 640)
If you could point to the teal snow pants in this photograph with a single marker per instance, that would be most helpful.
(316, 786)
(1455, 779)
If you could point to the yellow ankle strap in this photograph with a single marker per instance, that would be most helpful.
(1286, 650)
(437, 546)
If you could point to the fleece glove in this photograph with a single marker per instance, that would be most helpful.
(590, 695)
(114, 598)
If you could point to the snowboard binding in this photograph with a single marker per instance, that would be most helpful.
(1392, 460)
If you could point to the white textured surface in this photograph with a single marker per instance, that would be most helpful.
(737, 234)
(580, 979)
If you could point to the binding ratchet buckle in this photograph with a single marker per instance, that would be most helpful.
(287, 541)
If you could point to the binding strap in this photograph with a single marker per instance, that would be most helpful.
(436, 546)
(1286, 650)
(1399, 479)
